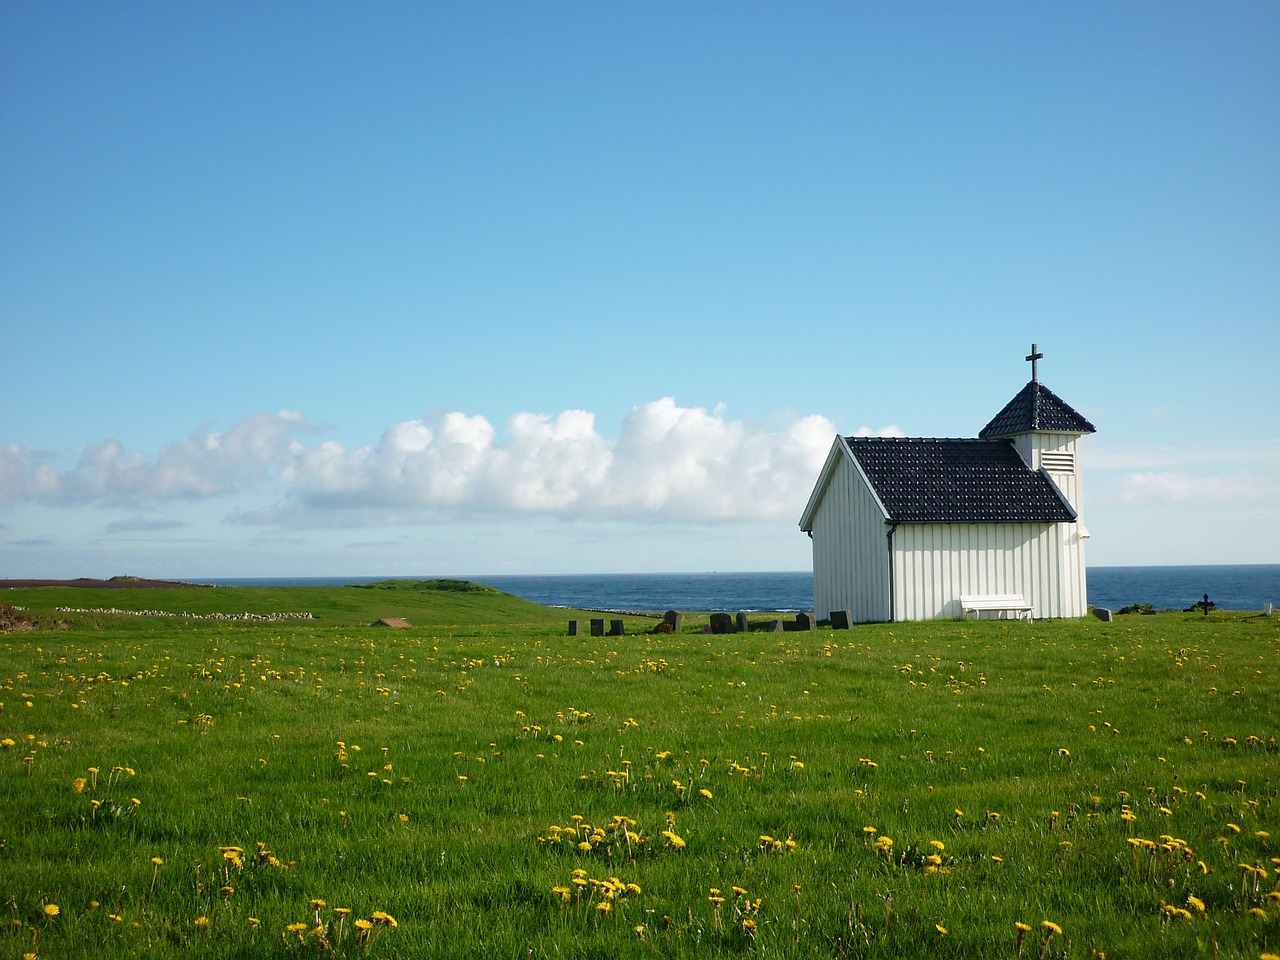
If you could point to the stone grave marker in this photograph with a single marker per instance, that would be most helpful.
(721, 623)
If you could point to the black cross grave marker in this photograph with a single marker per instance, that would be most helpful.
(1033, 356)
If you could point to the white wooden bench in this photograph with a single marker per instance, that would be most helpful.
(996, 603)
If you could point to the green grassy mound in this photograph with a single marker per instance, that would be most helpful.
(419, 601)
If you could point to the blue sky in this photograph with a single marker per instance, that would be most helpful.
(339, 289)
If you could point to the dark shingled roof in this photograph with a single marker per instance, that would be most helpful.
(1036, 407)
(957, 481)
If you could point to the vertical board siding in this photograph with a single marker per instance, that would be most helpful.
(1073, 596)
(938, 563)
(850, 555)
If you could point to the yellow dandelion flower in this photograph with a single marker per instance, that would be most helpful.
(77, 785)
(1023, 927)
(254, 922)
(1051, 927)
(1196, 902)
(157, 861)
(604, 906)
(202, 923)
(363, 925)
(1257, 912)
(297, 927)
(704, 792)
(51, 909)
(937, 844)
(942, 931)
(318, 903)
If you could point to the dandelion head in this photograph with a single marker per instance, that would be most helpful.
(51, 909)
(1051, 927)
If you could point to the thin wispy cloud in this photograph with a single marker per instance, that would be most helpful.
(140, 524)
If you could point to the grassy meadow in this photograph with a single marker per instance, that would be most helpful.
(481, 784)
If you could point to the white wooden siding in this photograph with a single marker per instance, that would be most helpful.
(937, 563)
(850, 554)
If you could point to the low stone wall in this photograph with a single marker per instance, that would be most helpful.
(190, 616)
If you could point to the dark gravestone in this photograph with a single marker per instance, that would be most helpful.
(721, 623)
(805, 621)
(839, 619)
(775, 626)
(616, 628)
(741, 622)
(1103, 614)
(674, 618)
(575, 627)
(597, 627)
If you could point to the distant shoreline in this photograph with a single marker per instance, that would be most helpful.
(115, 583)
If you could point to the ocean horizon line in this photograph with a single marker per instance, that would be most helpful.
(652, 573)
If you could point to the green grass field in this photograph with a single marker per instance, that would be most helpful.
(483, 785)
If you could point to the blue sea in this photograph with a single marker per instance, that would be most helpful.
(1233, 587)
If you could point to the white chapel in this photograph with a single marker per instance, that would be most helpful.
(917, 528)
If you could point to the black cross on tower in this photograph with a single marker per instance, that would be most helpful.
(1033, 356)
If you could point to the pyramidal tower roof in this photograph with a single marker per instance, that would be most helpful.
(1036, 407)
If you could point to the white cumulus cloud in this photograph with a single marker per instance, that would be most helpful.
(667, 462)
